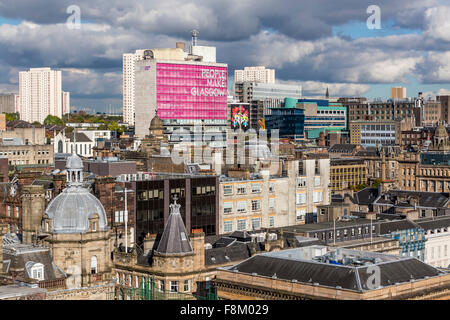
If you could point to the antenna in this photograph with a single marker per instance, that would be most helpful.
(194, 34)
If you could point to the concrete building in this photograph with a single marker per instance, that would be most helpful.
(347, 172)
(8, 102)
(398, 93)
(129, 62)
(445, 103)
(256, 74)
(65, 103)
(19, 153)
(266, 201)
(250, 90)
(40, 92)
(29, 135)
(97, 135)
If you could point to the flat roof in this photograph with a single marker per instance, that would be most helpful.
(15, 291)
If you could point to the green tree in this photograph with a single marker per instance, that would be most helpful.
(53, 120)
(12, 116)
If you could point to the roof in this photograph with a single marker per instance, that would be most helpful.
(426, 199)
(366, 196)
(434, 223)
(18, 124)
(15, 291)
(397, 225)
(174, 239)
(312, 227)
(302, 265)
(342, 148)
(81, 137)
(346, 162)
(237, 252)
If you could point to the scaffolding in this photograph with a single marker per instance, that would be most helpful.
(147, 291)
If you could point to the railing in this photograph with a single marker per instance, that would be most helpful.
(52, 284)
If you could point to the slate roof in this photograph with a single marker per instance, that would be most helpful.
(174, 239)
(366, 196)
(342, 148)
(18, 124)
(16, 256)
(431, 224)
(426, 199)
(81, 137)
(281, 266)
(237, 252)
(397, 225)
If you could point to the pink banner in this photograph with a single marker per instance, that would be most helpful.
(191, 91)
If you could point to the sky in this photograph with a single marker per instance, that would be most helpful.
(318, 44)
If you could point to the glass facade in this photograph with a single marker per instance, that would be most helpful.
(289, 122)
(191, 91)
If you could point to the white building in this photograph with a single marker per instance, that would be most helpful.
(94, 135)
(257, 74)
(274, 201)
(65, 102)
(40, 94)
(64, 143)
(129, 60)
(437, 244)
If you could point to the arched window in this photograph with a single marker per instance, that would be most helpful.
(94, 265)
(60, 146)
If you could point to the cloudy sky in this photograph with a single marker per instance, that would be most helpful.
(320, 43)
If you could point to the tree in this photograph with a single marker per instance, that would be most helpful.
(53, 120)
(12, 116)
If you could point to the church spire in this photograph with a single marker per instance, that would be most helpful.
(327, 95)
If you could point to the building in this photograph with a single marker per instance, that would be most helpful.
(431, 113)
(445, 103)
(75, 227)
(129, 62)
(347, 172)
(40, 92)
(196, 193)
(321, 272)
(437, 235)
(8, 102)
(65, 103)
(398, 93)
(65, 143)
(290, 123)
(97, 135)
(185, 89)
(373, 133)
(270, 201)
(254, 74)
(29, 134)
(19, 153)
(249, 91)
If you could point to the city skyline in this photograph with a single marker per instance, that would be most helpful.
(303, 42)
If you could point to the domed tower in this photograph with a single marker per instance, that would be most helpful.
(440, 139)
(77, 226)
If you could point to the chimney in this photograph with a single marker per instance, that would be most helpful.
(181, 45)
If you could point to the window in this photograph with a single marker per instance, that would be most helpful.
(301, 182)
(9, 211)
(301, 214)
(271, 187)
(37, 271)
(227, 207)
(345, 233)
(256, 223)
(161, 285)
(17, 212)
(228, 226)
(300, 198)
(256, 188)
(242, 224)
(317, 196)
(227, 190)
(272, 221)
(241, 190)
(317, 181)
(256, 205)
(187, 285)
(242, 206)
(93, 265)
(173, 286)
(94, 226)
(271, 203)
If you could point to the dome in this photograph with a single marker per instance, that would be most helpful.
(72, 209)
(156, 123)
(74, 162)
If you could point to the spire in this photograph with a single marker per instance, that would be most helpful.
(327, 95)
(174, 239)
